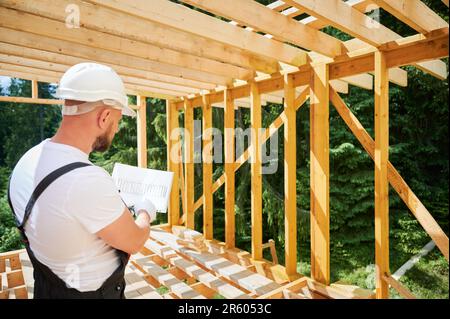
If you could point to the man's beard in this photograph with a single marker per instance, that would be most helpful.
(103, 142)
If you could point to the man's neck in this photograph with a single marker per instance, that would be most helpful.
(75, 138)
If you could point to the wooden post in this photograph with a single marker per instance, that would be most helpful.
(173, 162)
(34, 89)
(142, 131)
(256, 170)
(290, 177)
(319, 154)
(189, 163)
(229, 170)
(381, 177)
(207, 157)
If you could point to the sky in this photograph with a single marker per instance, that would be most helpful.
(4, 82)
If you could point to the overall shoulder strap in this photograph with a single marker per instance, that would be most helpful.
(50, 178)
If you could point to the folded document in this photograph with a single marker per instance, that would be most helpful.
(134, 183)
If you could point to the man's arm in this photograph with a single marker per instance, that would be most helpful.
(127, 234)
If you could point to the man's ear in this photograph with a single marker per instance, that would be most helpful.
(104, 118)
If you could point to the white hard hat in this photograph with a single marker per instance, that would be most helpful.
(93, 82)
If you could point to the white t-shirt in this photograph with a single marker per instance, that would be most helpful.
(62, 226)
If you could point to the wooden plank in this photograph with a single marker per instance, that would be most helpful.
(414, 13)
(201, 275)
(179, 288)
(319, 170)
(50, 60)
(282, 26)
(41, 75)
(189, 162)
(15, 278)
(173, 161)
(207, 156)
(445, 2)
(229, 126)
(343, 17)
(184, 19)
(142, 131)
(97, 31)
(292, 286)
(406, 194)
(246, 279)
(362, 80)
(381, 177)
(398, 286)
(34, 89)
(256, 171)
(30, 100)
(187, 234)
(290, 177)
(36, 47)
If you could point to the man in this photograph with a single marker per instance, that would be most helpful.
(78, 232)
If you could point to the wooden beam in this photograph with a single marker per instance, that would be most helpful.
(184, 19)
(30, 100)
(256, 172)
(229, 126)
(398, 286)
(41, 75)
(173, 161)
(436, 67)
(398, 53)
(43, 48)
(407, 51)
(381, 177)
(414, 13)
(34, 89)
(56, 29)
(56, 67)
(290, 177)
(96, 17)
(343, 17)
(406, 194)
(142, 131)
(18, 54)
(281, 26)
(445, 2)
(189, 163)
(319, 166)
(207, 155)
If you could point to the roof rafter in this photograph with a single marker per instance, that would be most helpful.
(346, 18)
(185, 19)
(156, 38)
(436, 68)
(95, 54)
(27, 62)
(53, 77)
(413, 13)
(58, 30)
(51, 57)
(259, 17)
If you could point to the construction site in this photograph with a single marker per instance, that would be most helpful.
(200, 55)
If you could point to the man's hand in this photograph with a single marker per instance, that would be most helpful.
(147, 206)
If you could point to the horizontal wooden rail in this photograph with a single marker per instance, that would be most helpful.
(398, 183)
(30, 100)
(409, 50)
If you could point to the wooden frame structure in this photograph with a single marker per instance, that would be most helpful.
(253, 56)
